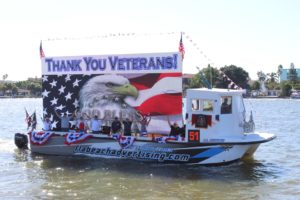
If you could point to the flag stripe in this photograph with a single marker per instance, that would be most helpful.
(147, 81)
(167, 85)
(162, 104)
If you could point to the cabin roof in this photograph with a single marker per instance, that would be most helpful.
(216, 91)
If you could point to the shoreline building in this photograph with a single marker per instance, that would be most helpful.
(285, 73)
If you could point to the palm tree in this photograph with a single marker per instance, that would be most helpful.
(279, 70)
(4, 77)
(272, 77)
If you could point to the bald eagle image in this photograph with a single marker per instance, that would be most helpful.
(105, 94)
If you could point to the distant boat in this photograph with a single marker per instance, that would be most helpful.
(295, 94)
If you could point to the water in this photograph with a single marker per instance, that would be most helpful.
(273, 173)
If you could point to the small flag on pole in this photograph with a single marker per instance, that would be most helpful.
(41, 51)
(34, 122)
(181, 47)
(28, 119)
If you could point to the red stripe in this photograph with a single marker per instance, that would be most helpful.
(163, 104)
(148, 80)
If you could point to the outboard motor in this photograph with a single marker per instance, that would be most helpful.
(21, 141)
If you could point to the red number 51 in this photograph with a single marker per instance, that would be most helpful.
(194, 136)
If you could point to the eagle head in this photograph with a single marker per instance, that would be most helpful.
(107, 92)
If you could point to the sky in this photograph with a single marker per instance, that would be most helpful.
(253, 34)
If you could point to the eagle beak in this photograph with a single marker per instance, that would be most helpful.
(126, 90)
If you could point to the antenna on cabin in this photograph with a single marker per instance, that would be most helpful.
(203, 79)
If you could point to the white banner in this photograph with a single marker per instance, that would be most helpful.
(113, 64)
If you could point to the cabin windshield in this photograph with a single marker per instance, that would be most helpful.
(226, 107)
(202, 105)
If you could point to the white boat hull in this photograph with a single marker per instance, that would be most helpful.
(147, 149)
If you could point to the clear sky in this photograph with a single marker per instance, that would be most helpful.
(253, 34)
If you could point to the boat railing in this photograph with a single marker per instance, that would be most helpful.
(249, 126)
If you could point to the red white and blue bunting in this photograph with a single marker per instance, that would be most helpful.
(74, 138)
(124, 141)
(40, 138)
(164, 139)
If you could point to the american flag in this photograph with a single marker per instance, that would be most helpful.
(181, 47)
(61, 93)
(41, 51)
(160, 95)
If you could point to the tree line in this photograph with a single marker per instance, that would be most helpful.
(216, 78)
(222, 78)
(9, 88)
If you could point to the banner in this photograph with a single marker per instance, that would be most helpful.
(107, 64)
(153, 93)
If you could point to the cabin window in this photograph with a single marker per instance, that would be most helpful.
(226, 107)
(208, 105)
(195, 104)
(202, 104)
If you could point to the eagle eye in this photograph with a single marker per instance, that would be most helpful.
(108, 84)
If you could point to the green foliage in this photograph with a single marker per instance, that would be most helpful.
(211, 74)
(237, 74)
(272, 77)
(34, 86)
(195, 82)
(261, 76)
(279, 70)
(255, 85)
(214, 76)
(297, 86)
(273, 85)
(285, 88)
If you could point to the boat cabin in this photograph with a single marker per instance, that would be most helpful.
(214, 114)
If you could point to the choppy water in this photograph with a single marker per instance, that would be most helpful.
(273, 173)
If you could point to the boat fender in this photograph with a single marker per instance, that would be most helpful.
(21, 141)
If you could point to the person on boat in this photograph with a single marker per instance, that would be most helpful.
(144, 124)
(127, 127)
(226, 106)
(64, 121)
(81, 125)
(96, 125)
(182, 131)
(175, 129)
(116, 126)
(106, 123)
(47, 124)
(135, 127)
